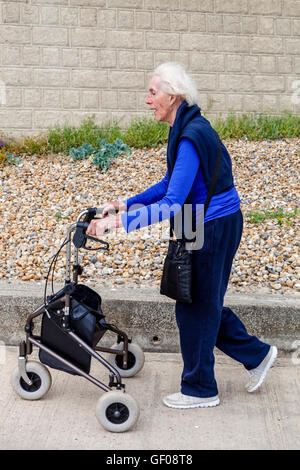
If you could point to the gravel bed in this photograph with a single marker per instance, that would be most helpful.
(42, 196)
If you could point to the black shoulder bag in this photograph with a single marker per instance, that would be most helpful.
(176, 281)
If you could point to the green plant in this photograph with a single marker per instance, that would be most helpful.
(82, 152)
(2, 157)
(11, 145)
(260, 216)
(7, 158)
(102, 155)
(210, 103)
(258, 126)
(28, 145)
(58, 215)
(35, 145)
(145, 133)
(62, 139)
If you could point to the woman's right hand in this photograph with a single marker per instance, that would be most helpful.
(111, 207)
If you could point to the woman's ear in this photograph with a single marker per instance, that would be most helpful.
(172, 99)
(175, 100)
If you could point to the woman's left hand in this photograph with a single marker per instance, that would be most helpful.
(98, 227)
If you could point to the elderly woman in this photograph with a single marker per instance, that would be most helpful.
(205, 323)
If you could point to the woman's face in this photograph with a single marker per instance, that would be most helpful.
(159, 101)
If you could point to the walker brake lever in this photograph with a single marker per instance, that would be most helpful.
(106, 247)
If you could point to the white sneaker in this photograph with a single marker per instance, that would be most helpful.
(257, 375)
(178, 400)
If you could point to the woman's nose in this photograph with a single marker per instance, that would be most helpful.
(148, 99)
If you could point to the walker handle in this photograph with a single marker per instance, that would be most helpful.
(80, 237)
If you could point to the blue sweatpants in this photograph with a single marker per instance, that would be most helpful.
(206, 323)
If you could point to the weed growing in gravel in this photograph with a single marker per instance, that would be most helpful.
(143, 133)
(62, 139)
(36, 145)
(58, 215)
(258, 126)
(258, 217)
(7, 158)
(146, 133)
(102, 155)
(140, 133)
(81, 153)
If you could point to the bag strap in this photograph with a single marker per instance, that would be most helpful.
(214, 178)
(211, 186)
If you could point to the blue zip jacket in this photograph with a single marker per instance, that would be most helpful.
(187, 179)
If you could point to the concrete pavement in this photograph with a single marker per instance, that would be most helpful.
(65, 418)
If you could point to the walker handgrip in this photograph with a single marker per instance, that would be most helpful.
(79, 238)
(92, 212)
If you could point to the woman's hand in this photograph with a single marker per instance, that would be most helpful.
(112, 206)
(98, 227)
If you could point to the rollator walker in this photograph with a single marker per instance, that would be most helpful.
(72, 326)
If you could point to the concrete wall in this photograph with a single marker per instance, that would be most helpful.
(63, 60)
(148, 317)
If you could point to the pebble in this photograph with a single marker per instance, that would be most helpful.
(43, 196)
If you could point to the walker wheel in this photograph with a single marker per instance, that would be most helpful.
(136, 359)
(117, 411)
(40, 377)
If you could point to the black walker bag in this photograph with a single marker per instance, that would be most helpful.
(86, 320)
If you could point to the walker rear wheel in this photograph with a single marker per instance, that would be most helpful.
(117, 411)
(40, 378)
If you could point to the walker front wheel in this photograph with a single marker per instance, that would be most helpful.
(117, 411)
(135, 363)
(40, 378)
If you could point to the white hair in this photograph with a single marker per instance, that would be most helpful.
(176, 81)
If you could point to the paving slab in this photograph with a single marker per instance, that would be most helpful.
(65, 418)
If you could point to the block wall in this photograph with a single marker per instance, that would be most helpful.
(63, 60)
